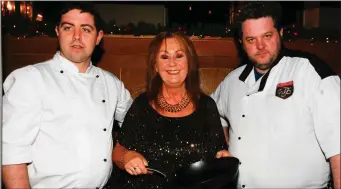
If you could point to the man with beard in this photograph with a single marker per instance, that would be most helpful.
(282, 106)
(58, 114)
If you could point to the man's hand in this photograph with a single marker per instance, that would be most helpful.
(222, 153)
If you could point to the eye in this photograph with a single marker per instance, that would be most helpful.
(179, 55)
(86, 30)
(267, 35)
(164, 57)
(66, 28)
(250, 40)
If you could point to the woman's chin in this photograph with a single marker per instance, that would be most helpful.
(174, 84)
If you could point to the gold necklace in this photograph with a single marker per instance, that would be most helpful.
(173, 108)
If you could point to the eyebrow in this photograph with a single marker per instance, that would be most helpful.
(168, 52)
(82, 25)
(268, 32)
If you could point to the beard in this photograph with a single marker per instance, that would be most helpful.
(264, 66)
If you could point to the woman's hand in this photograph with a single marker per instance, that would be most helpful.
(135, 163)
(222, 153)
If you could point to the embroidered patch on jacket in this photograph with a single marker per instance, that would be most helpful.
(285, 90)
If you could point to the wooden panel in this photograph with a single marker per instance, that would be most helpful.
(123, 61)
(126, 46)
(134, 80)
(215, 47)
(15, 61)
(210, 78)
(217, 62)
(31, 45)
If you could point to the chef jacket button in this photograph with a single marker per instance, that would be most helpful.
(61, 71)
(240, 163)
(103, 101)
(104, 129)
(243, 186)
(97, 187)
(243, 115)
(97, 76)
(239, 138)
(105, 160)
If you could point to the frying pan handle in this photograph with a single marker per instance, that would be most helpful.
(157, 171)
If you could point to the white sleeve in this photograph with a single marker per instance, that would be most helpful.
(325, 107)
(124, 102)
(21, 115)
(220, 97)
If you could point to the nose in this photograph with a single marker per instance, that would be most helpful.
(260, 44)
(76, 35)
(172, 61)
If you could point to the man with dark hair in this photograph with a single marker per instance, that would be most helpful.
(283, 108)
(58, 114)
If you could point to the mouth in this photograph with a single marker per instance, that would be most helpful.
(173, 72)
(77, 46)
(262, 53)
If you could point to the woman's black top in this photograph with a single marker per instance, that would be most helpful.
(169, 143)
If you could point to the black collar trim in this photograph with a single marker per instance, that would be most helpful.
(249, 67)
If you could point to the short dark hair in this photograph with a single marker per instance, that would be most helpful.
(154, 81)
(255, 10)
(84, 7)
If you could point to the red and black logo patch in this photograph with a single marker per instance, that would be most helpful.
(285, 90)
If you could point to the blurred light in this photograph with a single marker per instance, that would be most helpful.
(295, 33)
(39, 17)
(110, 32)
(209, 12)
(10, 7)
(13, 26)
(189, 8)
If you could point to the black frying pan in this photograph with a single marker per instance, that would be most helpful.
(213, 174)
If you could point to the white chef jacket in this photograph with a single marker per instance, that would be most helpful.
(60, 122)
(282, 140)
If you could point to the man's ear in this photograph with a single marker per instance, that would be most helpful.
(281, 32)
(57, 31)
(99, 37)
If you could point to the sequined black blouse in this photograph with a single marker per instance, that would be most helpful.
(169, 143)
